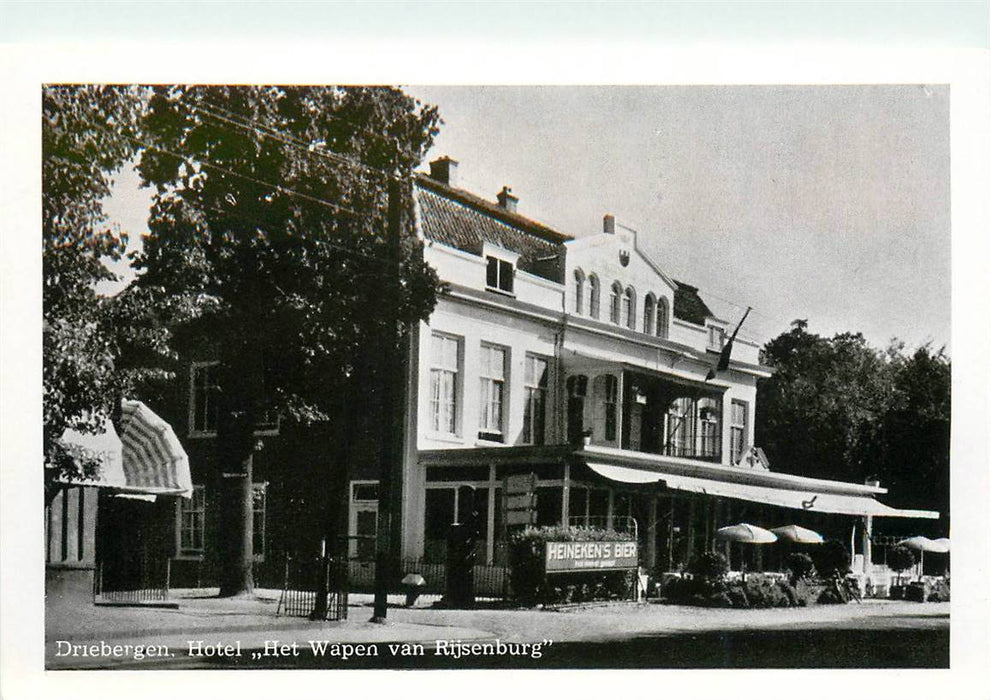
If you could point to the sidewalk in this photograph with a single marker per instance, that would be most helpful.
(204, 626)
(227, 627)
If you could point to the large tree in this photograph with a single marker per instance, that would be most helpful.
(88, 133)
(270, 219)
(837, 408)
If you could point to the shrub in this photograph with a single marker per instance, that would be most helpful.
(800, 565)
(681, 590)
(710, 567)
(831, 558)
(916, 591)
(940, 592)
(527, 573)
(900, 559)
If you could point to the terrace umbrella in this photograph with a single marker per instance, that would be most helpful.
(798, 534)
(922, 544)
(747, 534)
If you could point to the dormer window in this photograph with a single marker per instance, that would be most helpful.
(500, 269)
(716, 338)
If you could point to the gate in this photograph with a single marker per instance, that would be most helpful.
(305, 580)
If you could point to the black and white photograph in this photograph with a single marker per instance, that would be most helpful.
(596, 375)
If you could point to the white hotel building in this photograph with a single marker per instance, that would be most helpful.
(581, 361)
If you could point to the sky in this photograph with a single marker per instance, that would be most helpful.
(825, 203)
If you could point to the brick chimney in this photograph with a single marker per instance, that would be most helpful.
(444, 170)
(507, 200)
(608, 224)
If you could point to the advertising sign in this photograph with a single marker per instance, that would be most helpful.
(585, 556)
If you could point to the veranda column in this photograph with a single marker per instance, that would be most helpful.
(867, 543)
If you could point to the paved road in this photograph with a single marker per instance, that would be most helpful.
(896, 636)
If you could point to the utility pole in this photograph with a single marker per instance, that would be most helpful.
(392, 353)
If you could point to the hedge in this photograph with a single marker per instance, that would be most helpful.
(527, 573)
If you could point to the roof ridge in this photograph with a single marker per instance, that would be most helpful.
(508, 218)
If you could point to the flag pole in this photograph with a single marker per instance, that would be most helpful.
(722, 363)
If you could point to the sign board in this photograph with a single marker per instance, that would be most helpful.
(519, 494)
(586, 556)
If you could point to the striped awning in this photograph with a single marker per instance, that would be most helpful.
(146, 458)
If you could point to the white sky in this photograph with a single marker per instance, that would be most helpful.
(827, 203)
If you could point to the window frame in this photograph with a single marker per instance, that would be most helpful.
(435, 412)
(267, 428)
(649, 313)
(742, 429)
(615, 304)
(663, 317)
(629, 308)
(485, 431)
(594, 296)
(531, 388)
(716, 337)
(185, 506)
(579, 280)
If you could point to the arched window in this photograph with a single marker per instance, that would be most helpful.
(629, 308)
(649, 311)
(616, 303)
(663, 317)
(578, 291)
(594, 303)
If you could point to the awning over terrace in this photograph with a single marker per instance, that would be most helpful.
(807, 499)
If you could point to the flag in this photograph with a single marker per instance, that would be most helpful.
(723, 358)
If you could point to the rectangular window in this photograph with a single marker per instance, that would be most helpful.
(205, 398)
(738, 430)
(708, 419)
(492, 393)
(260, 494)
(192, 523)
(534, 412)
(680, 427)
(444, 362)
(611, 404)
(499, 274)
(204, 409)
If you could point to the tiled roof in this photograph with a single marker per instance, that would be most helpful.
(466, 222)
(688, 306)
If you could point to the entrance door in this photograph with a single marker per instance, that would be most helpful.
(363, 531)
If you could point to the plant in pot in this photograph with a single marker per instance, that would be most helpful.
(899, 559)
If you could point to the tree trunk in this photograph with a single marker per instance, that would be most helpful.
(241, 394)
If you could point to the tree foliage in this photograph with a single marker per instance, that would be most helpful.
(87, 134)
(284, 222)
(270, 220)
(837, 408)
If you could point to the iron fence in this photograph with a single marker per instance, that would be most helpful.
(142, 580)
(304, 581)
(490, 581)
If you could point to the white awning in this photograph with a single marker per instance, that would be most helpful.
(809, 501)
(147, 460)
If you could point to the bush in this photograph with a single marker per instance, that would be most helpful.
(831, 558)
(940, 592)
(710, 567)
(900, 559)
(801, 566)
(681, 590)
(755, 592)
(916, 591)
(527, 573)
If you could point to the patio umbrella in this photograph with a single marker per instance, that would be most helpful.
(744, 532)
(796, 533)
(747, 534)
(922, 544)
